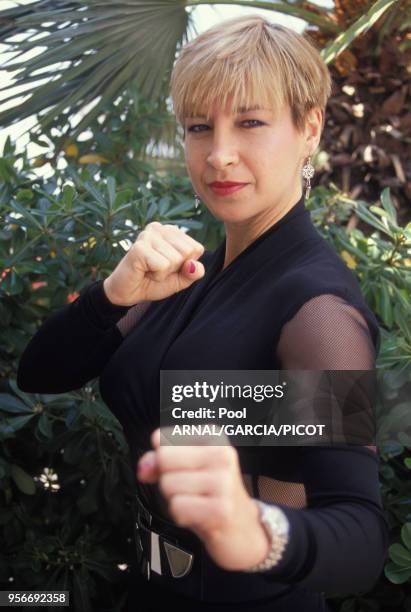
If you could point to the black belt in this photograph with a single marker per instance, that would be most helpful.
(174, 559)
(164, 549)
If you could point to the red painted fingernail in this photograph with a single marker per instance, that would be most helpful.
(145, 466)
(192, 267)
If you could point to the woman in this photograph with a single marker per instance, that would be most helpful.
(251, 98)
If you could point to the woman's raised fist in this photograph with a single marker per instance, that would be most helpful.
(161, 262)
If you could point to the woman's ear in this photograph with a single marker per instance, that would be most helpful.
(313, 129)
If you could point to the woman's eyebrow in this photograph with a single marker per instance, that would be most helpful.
(241, 111)
(244, 109)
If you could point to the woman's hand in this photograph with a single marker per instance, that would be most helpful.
(205, 492)
(161, 262)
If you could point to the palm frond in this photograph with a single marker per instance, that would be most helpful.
(73, 58)
(92, 51)
(362, 25)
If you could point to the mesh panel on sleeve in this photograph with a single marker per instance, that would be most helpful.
(132, 317)
(330, 335)
(290, 494)
(274, 491)
(327, 333)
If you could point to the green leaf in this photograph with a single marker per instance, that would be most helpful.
(69, 194)
(183, 207)
(362, 25)
(386, 308)
(24, 481)
(111, 191)
(8, 148)
(28, 217)
(406, 534)
(392, 448)
(364, 214)
(389, 206)
(9, 403)
(40, 142)
(24, 195)
(14, 424)
(163, 205)
(152, 210)
(26, 397)
(398, 418)
(14, 259)
(45, 426)
(395, 574)
(190, 223)
(400, 555)
(400, 310)
(96, 195)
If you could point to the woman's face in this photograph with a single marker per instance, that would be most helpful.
(253, 147)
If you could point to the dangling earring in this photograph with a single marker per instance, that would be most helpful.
(308, 173)
(197, 200)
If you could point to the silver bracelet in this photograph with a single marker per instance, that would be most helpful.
(277, 526)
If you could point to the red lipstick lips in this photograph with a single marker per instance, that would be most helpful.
(225, 183)
(223, 188)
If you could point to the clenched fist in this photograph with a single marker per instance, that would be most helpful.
(161, 262)
(205, 492)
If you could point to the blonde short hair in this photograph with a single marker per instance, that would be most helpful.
(251, 61)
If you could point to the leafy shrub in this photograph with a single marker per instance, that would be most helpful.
(381, 258)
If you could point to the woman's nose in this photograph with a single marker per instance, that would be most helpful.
(222, 154)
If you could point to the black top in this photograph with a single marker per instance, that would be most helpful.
(287, 301)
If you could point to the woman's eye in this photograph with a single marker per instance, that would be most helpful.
(255, 120)
(199, 125)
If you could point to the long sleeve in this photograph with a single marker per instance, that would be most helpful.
(338, 542)
(73, 344)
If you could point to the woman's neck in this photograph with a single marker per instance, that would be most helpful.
(240, 235)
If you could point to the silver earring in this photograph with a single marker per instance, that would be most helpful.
(308, 173)
(197, 200)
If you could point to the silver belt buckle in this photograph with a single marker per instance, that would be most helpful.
(179, 560)
(142, 554)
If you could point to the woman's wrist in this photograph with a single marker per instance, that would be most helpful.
(108, 292)
(276, 527)
(261, 539)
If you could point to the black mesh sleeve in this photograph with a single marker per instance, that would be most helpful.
(130, 320)
(327, 333)
(73, 344)
(338, 543)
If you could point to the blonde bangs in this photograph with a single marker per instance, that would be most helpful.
(233, 86)
(244, 62)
